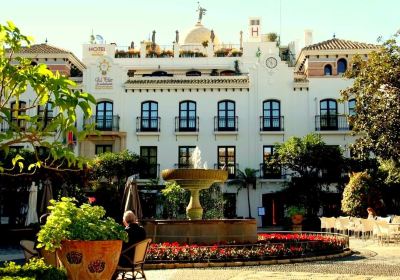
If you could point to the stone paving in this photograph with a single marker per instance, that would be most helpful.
(371, 261)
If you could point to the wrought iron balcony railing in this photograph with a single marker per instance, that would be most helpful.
(186, 124)
(148, 124)
(268, 172)
(271, 123)
(226, 123)
(230, 167)
(104, 123)
(331, 122)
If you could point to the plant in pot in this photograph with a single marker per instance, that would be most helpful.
(87, 243)
(296, 213)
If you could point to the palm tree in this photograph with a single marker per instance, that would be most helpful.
(246, 180)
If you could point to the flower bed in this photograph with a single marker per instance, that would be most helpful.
(274, 245)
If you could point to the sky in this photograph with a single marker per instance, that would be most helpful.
(69, 24)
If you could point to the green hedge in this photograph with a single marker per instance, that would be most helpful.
(35, 269)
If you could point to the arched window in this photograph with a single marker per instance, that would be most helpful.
(18, 109)
(271, 115)
(328, 114)
(104, 115)
(341, 66)
(149, 116)
(193, 73)
(328, 70)
(187, 116)
(226, 116)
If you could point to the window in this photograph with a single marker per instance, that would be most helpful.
(227, 159)
(187, 116)
(269, 172)
(352, 107)
(328, 114)
(328, 70)
(149, 116)
(185, 152)
(271, 115)
(341, 66)
(103, 149)
(18, 109)
(104, 115)
(45, 113)
(149, 155)
(226, 116)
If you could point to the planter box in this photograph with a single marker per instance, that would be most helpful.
(87, 260)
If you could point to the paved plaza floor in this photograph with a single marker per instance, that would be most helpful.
(370, 261)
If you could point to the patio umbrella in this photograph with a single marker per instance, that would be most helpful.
(47, 196)
(32, 217)
(130, 200)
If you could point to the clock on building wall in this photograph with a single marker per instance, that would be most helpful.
(271, 62)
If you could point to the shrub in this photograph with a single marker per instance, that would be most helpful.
(355, 194)
(34, 269)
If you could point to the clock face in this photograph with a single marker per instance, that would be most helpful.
(271, 62)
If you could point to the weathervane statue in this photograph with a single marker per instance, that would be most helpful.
(201, 11)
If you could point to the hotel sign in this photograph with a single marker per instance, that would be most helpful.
(103, 81)
(97, 51)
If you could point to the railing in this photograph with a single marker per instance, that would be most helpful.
(331, 122)
(183, 124)
(152, 172)
(226, 123)
(231, 168)
(104, 123)
(271, 123)
(148, 124)
(268, 172)
(183, 165)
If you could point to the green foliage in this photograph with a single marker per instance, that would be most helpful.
(376, 89)
(272, 36)
(16, 75)
(67, 221)
(176, 199)
(212, 202)
(391, 169)
(356, 194)
(34, 269)
(314, 165)
(295, 210)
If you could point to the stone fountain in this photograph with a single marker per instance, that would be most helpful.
(195, 229)
(194, 180)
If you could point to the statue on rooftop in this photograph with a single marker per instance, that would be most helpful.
(201, 11)
(153, 37)
(176, 36)
(212, 36)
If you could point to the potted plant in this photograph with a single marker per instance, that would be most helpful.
(296, 213)
(222, 52)
(167, 53)
(272, 37)
(236, 53)
(88, 244)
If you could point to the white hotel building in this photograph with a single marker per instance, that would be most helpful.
(234, 107)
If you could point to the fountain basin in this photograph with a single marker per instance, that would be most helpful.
(202, 231)
(194, 180)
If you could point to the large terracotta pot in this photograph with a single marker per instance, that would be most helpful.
(87, 260)
(297, 219)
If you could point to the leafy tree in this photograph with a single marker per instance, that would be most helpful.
(376, 89)
(246, 179)
(212, 201)
(18, 76)
(314, 165)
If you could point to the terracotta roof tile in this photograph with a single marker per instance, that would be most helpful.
(43, 48)
(338, 44)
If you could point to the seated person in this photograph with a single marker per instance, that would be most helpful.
(371, 214)
(136, 233)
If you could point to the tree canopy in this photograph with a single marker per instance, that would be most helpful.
(22, 80)
(376, 89)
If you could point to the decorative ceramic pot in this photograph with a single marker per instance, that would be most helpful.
(87, 260)
(297, 219)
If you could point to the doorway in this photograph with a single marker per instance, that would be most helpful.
(274, 209)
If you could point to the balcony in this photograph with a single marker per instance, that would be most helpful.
(231, 168)
(268, 172)
(226, 124)
(186, 124)
(151, 172)
(331, 123)
(183, 165)
(149, 124)
(104, 123)
(271, 123)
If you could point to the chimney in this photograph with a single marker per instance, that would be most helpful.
(308, 40)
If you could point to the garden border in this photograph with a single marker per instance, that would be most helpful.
(346, 253)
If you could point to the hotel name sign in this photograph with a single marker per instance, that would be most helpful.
(104, 81)
(97, 51)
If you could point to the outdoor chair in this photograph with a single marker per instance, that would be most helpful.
(136, 261)
(330, 224)
(342, 225)
(29, 249)
(367, 227)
